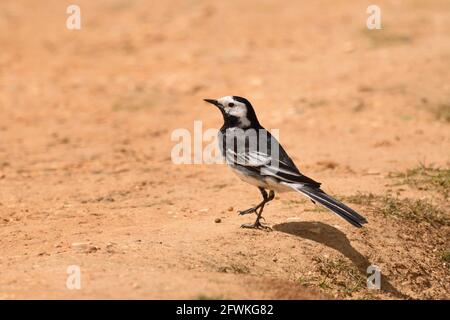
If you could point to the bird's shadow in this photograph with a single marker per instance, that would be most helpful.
(337, 240)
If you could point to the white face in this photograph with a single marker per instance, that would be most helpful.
(235, 108)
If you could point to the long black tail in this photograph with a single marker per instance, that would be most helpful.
(332, 204)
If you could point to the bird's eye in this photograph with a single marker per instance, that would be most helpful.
(231, 104)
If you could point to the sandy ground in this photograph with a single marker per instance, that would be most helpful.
(86, 177)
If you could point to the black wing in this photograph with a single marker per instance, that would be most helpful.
(261, 153)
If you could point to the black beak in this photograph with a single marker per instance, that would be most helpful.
(213, 101)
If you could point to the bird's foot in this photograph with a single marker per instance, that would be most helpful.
(248, 211)
(256, 225)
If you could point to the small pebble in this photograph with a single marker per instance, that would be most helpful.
(218, 220)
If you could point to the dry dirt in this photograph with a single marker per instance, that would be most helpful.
(85, 143)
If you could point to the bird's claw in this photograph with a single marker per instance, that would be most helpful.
(256, 225)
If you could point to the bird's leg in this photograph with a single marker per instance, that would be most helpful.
(257, 224)
(268, 199)
(261, 204)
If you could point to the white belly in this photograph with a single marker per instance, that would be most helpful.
(266, 183)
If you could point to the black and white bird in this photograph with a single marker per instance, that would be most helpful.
(257, 158)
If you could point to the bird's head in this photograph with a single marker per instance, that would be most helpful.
(236, 111)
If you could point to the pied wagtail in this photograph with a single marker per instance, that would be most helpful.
(257, 158)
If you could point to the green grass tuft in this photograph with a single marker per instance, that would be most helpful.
(416, 210)
(445, 256)
(339, 275)
(442, 112)
(425, 177)
(362, 199)
(383, 38)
